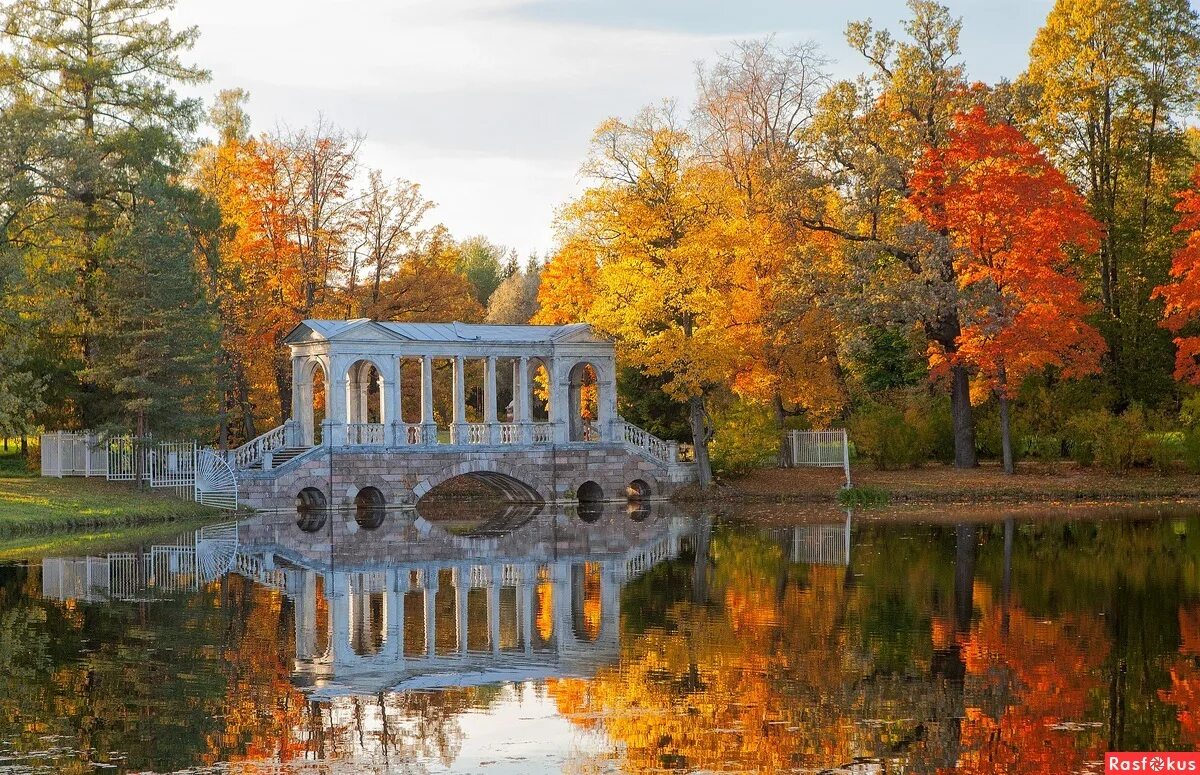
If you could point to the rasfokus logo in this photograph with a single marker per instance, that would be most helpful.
(1152, 762)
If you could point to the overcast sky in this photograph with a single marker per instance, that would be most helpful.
(489, 104)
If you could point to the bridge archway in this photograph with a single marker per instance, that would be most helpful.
(365, 389)
(513, 484)
(311, 398)
(583, 397)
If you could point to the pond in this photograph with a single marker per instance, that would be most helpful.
(613, 640)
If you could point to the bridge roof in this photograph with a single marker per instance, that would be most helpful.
(359, 328)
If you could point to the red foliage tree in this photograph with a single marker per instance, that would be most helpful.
(1181, 297)
(1012, 221)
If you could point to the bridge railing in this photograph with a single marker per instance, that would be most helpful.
(252, 451)
(366, 434)
(648, 443)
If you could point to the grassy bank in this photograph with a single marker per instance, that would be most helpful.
(29, 503)
(90, 541)
(934, 484)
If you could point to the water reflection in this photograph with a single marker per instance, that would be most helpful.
(533, 640)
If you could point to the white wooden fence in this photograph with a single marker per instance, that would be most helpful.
(821, 449)
(184, 467)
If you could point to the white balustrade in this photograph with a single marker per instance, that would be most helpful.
(366, 434)
(543, 433)
(252, 451)
(642, 439)
(510, 433)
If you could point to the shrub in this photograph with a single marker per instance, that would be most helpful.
(1115, 443)
(744, 438)
(889, 437)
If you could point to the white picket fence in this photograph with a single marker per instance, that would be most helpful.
(821, 449)
(182, 466)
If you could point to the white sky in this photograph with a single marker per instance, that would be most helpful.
(490, 104)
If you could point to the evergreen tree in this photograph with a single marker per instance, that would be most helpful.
(159, 349)
(99, 78)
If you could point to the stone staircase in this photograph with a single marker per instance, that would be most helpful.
(278, 457)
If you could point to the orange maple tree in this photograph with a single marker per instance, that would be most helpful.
(1012, 221)
(1181, 297)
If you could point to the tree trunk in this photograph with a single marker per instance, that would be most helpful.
(964, 425)
(1005, 433)
(700, 436)
(785, 454)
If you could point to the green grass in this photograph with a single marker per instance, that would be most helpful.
(75, 543)
(863, 497)
(29, 503)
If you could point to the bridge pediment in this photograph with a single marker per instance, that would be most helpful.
(361, 330)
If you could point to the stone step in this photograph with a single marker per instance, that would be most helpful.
(279, 457)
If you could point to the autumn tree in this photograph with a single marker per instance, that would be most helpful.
(869, 136)
(1114, 84)
(385, 228)
(515, 300)
(1012, 221)
(1181, 296)
(658, 224)
(755, 103)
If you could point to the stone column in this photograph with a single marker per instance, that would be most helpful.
(431, 588)
(521, 401)
(298, 364)
(489, 401)
(394, 406)
(462, 585)
(458, 431)
(394, 646)
(606, 402)
(337, 388)
(428, 425)
(493, 598)
(559, 410)
(525, 610)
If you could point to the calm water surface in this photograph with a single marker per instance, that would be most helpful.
(613, 641)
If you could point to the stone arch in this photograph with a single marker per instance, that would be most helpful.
(514, 483)
(307, 392)
(583, 402)
(366, 394)
(369, 507)
(311, 509)
(639, 489)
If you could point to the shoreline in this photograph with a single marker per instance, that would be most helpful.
(940, 485)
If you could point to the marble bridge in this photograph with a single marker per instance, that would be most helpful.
(383, 413)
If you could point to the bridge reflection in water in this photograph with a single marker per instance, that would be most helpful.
(414, 605)
(381, 609)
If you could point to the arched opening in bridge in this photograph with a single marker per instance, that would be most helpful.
(638, 490)
(585, 601)
(365, 418)
(590, 496)
(310, 509)
(638, 511)
(481, 487)
(369, 508)
(368, 613)
(543, 610)
(311, 401)
(583, 403)
(539, 405)
(589, 492)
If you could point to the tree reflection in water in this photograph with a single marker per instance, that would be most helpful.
(991, 647)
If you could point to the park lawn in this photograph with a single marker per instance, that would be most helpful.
(934, 483)
(74, 543)
(29, 503)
